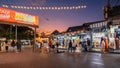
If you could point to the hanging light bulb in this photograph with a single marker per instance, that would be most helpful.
(15, 6)
(73, 7)
(40, 8)
(49, 8)
(85, 6)
(79, 7)
(58, 8)
(34, 8)
(12, 6)
(37, 7)
(21, 6)
(18, 6)
(67, 8)
(64, 8)
(82, 6)
(30, 7)
(24, 7)
(46, 8)
(76, 7)
(70, 8)
(43, 8)
(61, 8)
(53, 8)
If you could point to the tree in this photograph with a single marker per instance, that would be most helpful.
(23, 32)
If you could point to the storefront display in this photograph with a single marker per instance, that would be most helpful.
(97, 38)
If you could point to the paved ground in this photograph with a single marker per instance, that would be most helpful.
(28, 59)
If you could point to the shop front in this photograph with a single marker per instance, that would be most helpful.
(11, 17)
(98, 31)
(114, 35)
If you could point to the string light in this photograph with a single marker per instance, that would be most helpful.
(40, 8)
(37, 7)
(5, 6)
(47, 8)
(21, 6)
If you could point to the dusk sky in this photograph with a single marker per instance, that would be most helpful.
(50, 20)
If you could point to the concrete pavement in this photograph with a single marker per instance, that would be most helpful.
(28, 59)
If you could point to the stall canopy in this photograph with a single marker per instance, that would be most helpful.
(13, 17)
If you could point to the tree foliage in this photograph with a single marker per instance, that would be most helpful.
(23, 32)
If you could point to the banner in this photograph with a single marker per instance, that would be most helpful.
(14, 17)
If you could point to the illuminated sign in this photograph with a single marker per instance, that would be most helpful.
(24, 18)
(4, 13)
(14, 17)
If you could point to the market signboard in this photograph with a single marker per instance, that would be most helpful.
(6, 15)
(15, 17)
(24, 18)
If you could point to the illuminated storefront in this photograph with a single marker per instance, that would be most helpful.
(98, 30)
(114, 34)
(16, 18)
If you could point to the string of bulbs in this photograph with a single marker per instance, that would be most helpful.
(47, 8)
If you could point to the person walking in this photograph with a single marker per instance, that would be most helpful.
(70, 46)
(13, 45)
(102, 44)
(74, 45)
(78, 49)
(6, 45)
(18, 43)
(88, 44)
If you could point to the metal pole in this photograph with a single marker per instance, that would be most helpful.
(34, 39)
(16, 33)
(10, 32)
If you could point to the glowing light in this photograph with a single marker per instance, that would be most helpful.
(34, 8)
(82, 6)
(40, 8)
(53, 8)
(61, 8)
(58, 8)
(30, 7)
(15, 6)
(24, 7)
(85, 6)
(43, 8)
(76, 7)
(21, 6)
(12, 6)
(18, 6)
(73, 7)
(37, 7)
(5, 6)
(48, 8)
(79, 7)
(70, 7)
(65, 8)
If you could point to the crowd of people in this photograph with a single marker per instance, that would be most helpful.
(6, 46)
(72, 47)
